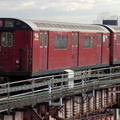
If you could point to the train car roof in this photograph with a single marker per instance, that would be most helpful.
(63, 26)
(59, 26)
(112, 28)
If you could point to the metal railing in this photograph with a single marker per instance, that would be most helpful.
(36, 90)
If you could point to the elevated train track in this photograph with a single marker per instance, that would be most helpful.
(37, 90)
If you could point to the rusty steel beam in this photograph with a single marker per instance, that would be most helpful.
(77, 110)
(98, 115)
(73, 107)
(58, 118)
(30, 113)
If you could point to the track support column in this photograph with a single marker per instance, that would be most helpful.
(116, 114)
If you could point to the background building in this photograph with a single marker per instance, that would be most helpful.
(108, 19)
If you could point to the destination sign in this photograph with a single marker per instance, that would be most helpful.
(9, 23)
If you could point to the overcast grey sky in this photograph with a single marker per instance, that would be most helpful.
(76, 11)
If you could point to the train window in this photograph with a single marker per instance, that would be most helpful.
(60, 37)
(56, 37)
(88, 41)
(99, 39)
(41, 39)
(74, 39)
(45, 39)
(7, 39)
(57, 44)
(107, 38)
(63, 44)
(118, 39)
(60, 42)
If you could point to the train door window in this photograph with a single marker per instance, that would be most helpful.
(107, 38)
(118, 39)
(99, 39)
(60, 42)
(88, 42)
(41, 39)
(45, 40)
(74, 40)
(7, 39)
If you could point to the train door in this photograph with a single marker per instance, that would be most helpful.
(23, 52)
(43, 50)
(74, 49)
(6, 51)
(99, 48)
(118, 47)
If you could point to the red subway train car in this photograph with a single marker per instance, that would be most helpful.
(35, 48)
(114, 44)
